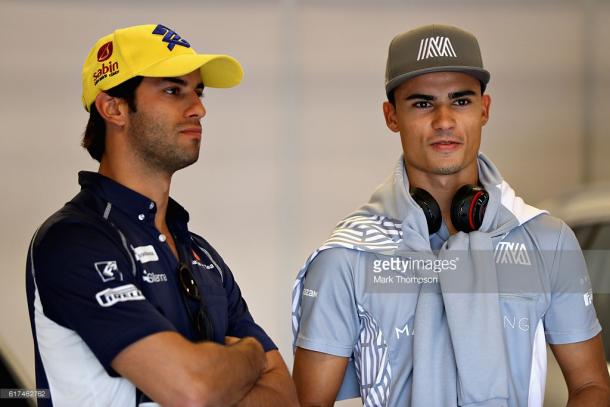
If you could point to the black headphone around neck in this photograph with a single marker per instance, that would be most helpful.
(467, 208)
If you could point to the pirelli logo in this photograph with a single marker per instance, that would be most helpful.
(111, 296)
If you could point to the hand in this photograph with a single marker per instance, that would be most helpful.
(255, 352)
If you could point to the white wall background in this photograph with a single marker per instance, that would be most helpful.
(302, 141)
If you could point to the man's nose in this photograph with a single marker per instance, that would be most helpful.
(443, 118)
(196, 108)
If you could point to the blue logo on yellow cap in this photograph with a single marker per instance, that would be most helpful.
(171, 37)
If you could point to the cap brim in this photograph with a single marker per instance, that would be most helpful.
(479, 73)
(217, 71)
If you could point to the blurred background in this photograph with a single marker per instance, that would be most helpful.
(302, 141)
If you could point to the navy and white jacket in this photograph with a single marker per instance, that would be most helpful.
(100, 276)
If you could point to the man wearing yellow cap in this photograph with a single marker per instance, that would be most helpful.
(127, 306)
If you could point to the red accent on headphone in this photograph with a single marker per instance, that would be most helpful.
(471, 209)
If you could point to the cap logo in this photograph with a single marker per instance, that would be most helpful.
(435, 47)
(171, 37)
(104, 52)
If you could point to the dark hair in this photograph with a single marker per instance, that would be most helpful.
(392, 98)
(94, 138)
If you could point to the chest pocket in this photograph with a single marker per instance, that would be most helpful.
(520, 314)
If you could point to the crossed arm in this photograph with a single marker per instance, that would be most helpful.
(176, 372)
(274, 387)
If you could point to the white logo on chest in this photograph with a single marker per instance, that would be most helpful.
(151, 277)
(144, 254)
(512, 253)
(522, 324)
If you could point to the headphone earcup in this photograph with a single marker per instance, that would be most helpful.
(468, 208)
(431, 209)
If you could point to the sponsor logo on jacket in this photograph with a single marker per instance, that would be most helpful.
(124, 293)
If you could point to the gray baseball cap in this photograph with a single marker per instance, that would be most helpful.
(433, 48)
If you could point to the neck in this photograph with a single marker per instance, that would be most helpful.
(443, 187)
(152, 184)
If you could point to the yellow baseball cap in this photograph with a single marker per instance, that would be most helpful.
(154, 51)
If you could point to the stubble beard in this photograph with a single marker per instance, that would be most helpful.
(447, 170)
(153, 143)
(453, 169)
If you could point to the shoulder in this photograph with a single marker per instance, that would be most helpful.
(335, 265)
(553, 240)
(72, 237)
(334, 258)
(545, 223)
(547, 232)
(80, 214)
(68, 226)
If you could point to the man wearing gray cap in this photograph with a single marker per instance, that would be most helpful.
(444, 289)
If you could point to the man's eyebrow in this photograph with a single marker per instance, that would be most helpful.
(419, 96)
(181, 82)
(461, 94)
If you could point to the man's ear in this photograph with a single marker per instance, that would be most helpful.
(112, 109)
(486, 105)
(389, 112)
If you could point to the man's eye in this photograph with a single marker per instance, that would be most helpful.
(171, 91)
(462, 102)
(421, 104)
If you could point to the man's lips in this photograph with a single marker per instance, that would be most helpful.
(192, 131)
(446, 145)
